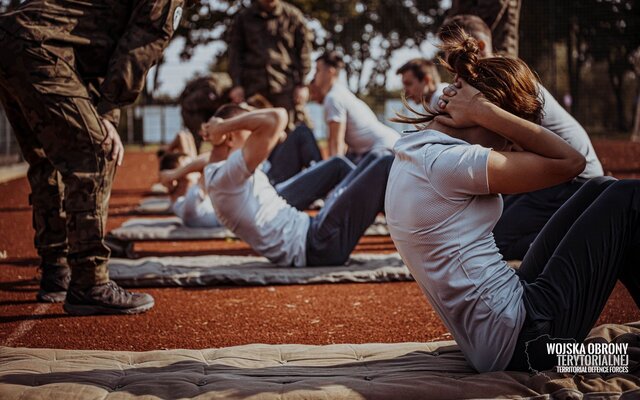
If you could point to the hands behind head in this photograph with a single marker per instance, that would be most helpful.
(209, 131)
(167, 179)
(460, 103)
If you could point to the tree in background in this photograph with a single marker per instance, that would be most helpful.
(7, 5)
(593, 31)
(502, 16)
(635, 60)
(364, 31)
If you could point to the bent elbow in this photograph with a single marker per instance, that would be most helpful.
(578, 165)
(281, 117)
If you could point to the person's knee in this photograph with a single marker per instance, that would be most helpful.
(624, 191)
(599, 182)
(342, 163)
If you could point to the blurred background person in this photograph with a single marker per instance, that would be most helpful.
(421, 82)
(353, 128)
(270, 54)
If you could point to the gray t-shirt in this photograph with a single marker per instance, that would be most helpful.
(441, 217)
(364, 131)
(250, 207)
(560, 122)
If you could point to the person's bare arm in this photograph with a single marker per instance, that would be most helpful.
(546, 159)
(197, 165)
(183, 143)
(266, 126)
(337, 132)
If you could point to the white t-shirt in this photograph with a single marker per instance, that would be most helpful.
(560, 122)
(441, 217)
(363, 130)
(195, 209)
(250, 207)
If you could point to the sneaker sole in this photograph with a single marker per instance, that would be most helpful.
(51, 297)
(83, 309)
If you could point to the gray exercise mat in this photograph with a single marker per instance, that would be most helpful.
(171, 228)
(250, 270)
(408, 371)
(154, 205)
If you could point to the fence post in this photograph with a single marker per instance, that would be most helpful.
(163, 134)
(129, 125)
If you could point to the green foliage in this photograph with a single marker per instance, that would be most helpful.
(362, 30)
(592, 31)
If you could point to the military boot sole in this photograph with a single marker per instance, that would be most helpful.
(51, 297)
(86, 309)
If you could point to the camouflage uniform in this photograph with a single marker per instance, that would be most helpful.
(270, 54)
(64, 64)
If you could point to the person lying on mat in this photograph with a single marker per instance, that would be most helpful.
(443, 200)
(189, 201)
(182, 176)
(250, 206)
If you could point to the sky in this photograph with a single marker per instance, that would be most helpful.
(174, 73)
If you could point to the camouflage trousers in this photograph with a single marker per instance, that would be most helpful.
(62, 139)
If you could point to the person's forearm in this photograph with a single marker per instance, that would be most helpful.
(336, 142)
(336, 147)
(528, 135)
(259, 121)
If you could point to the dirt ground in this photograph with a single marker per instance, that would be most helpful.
(224, 316)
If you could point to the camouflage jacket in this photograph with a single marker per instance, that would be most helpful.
(111, 44)
(269, 53)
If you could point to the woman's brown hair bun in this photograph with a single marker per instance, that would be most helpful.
(463, 54)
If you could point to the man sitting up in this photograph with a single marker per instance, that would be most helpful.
(250, 206)
(421, 82)
(353, 128)
(524, 215)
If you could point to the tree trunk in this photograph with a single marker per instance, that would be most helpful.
(635, 132)
(574, 65)
(502, 16)
(615, 78)
(635, 60)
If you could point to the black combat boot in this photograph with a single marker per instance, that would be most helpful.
(108, 298)
(54, 283)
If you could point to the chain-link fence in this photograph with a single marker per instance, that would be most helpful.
(154, 124)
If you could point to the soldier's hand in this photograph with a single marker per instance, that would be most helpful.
(237, 94)
(113, 138)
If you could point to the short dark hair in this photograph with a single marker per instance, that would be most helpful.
(472, 24)
(231, 110)
(421, 67)
(201, 98)
(332, 58)
(170, 160)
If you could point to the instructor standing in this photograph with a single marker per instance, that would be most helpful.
(66, 67)
(270, 54)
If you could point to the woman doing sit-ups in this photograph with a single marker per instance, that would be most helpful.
(443, 200)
